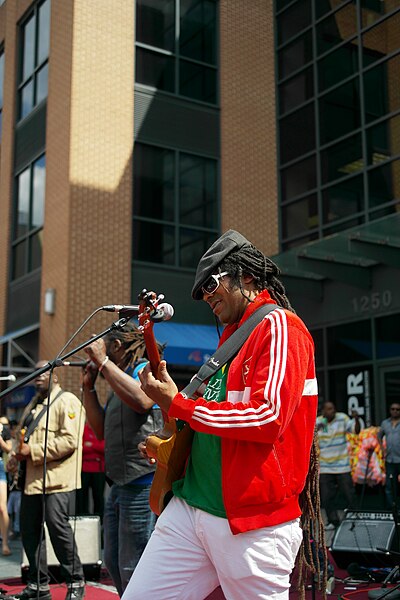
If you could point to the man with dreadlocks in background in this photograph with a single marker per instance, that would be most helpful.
(127, 418)
(249, 496)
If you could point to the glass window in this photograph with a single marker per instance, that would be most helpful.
(280, 4)
(383, 140)
(153, 242)
(295, 55)
(298, 178)
(155, 23)
(388, 342)
(35, 39)
(198, 33)
(175, 197)
(324, 6)
(383, 184)
(35, 250)
(342, 159)
(371, 10)
(300, 241)
(154, 182)
(26, 99)
(155, 70)
(382, 39)
(197, 191)
(343, 200)
(340, 111)
(318, 337)
(296, 91)
(337, 27)
(28, 40)
(24, 192)
(42, 84)
(189, 47)
(351, 342)
(300, 217)
(19, 259)
(293, 20)
(297, 133)
(381, 90)
(197, 82)
(44, 32)
(38, 192)
(192, 245)
(338, 65)
(29, 218)
(1, 87)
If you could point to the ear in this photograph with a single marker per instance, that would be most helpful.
(248, 282)
(117, 344)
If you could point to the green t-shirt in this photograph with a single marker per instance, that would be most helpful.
(201, 486)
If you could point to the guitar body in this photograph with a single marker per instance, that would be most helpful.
(170, 447)
(171, 455)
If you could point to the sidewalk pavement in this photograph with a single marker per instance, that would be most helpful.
(10, 566)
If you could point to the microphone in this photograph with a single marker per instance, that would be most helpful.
(119, 307)
(67, 363)
(8, 378)
(163, 312)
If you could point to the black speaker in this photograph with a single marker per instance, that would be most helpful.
(359, 536)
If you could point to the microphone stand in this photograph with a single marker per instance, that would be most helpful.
(58, 362)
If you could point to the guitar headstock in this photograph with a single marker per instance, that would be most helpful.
(148, 304)
(148, 314)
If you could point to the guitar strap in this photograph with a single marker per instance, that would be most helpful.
(32, 425)
(227, 350)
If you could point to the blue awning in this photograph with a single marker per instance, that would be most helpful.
(187, 344)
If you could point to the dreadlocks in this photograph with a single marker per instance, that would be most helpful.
(132, 342)
(311, 557)
(250, 261)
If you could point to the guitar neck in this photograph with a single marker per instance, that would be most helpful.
(152, 350)
(154, 357)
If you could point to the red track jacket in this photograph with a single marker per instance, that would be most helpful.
(267, 421)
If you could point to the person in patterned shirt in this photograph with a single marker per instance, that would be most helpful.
(335, 471)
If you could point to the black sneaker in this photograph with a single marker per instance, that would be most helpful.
(75, 593)
(30, 594)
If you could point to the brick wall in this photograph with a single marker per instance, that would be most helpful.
(87, 235)
(248, 129)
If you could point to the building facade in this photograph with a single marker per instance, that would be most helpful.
(133, 133)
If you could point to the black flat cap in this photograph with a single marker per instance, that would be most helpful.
(229, 242)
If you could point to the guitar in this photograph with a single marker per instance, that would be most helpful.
(170, 447)
(16, 468)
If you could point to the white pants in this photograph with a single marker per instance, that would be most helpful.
(191, 552)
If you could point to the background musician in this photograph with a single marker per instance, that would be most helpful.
(127, 418)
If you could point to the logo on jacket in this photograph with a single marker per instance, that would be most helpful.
(245, 370)
(72, 415)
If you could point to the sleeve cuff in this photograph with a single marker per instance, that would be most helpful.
(182, 408)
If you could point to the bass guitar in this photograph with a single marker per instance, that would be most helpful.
(170, 446)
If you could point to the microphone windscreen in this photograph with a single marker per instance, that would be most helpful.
(167, 309)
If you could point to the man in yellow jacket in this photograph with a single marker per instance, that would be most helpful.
(63, 457)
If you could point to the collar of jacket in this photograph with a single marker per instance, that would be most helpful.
(262, 298)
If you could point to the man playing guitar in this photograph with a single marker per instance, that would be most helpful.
(234, 519)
